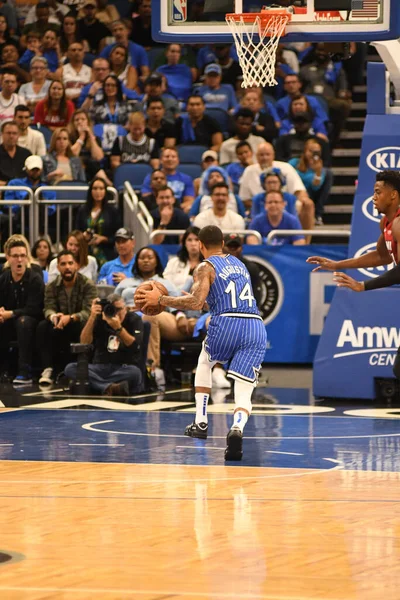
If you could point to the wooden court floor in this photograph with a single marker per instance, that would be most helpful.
(118, 504)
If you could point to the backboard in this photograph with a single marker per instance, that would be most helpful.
(203, 21)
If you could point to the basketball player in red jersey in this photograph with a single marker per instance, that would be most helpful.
(387, 202)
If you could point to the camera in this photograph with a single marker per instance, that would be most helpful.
(316, 156)
(90, 232)
(108, 308)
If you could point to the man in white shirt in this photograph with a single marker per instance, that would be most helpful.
(27, 137)
(221, 216)
(244, 119)
(74, 75)
(57, 13)
(250, 183)
(8, 98)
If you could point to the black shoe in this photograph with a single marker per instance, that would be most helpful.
(117, 389)
(234, 441)
(197, 430)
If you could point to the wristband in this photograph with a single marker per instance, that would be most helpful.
(118, 330)
(80, 141)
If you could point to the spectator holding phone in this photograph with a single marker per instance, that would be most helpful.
(316, 178)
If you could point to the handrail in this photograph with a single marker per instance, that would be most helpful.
(314, 232)
(169, 232)
(28, 202)
(146, 213)
(70, 188)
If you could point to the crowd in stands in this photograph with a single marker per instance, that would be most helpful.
(83, 92)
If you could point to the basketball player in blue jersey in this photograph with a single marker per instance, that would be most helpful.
(236, 334)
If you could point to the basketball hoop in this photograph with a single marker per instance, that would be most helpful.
(256, 37)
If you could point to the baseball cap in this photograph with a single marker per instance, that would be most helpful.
(233, 239)
(125, 234)
(154, 78)
(213, 68)
(209, 154)
(33, 162)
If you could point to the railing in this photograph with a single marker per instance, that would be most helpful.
(169, 232)
(137, 216)
(13, 223)
(314, 232)
(61, 205)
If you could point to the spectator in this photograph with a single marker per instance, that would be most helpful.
(231, 71)
(291, 145)
(219, 215)
(275, 217)
(250, 184)
(233, 244)
(38, 88)
(57, 12)
(51, 52)
(141, 25)
(179, 269)
(42, 256)
(209, 179)
(266, 122)
(329, 81)
(90, 28)
(180, 183)
(158, 180)
(27, 137)
(137, 56)
(167, 216)
(317, 179)
(12, 156)
(59, 163)
(209, 158)
(243, 121)
(107, 13)
(93, 92)
(195, 127)
(292, 86)
(55, 110)
(33, 42)
(9, 63)
(112, 106)
(136, 146)
(281, 70)
(98, 220)
(235, 170)
(9, 99)
(119, 66)
(74, 75)
(21, 305)
(272, 180)
(299, 105)
(85, 145)
(115, 369)
(41, 22)
(179, 76)
(214, 93)
(154, 87)
(7, 27)
(78, 246)
(69, 34)
(67, 304)
(157, 127)
(114, 271)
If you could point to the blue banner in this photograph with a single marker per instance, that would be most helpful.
(294, 302)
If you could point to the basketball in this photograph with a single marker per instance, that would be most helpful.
(156, 310)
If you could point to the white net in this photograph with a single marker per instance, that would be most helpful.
(256, 43)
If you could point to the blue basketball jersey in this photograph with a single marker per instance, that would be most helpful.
(231, 292)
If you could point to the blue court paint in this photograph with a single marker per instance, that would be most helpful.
(305, 441)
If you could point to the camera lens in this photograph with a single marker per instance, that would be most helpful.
(109, 310)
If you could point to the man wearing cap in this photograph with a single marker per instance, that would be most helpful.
(28, 138)
(114, 271)
(233, 244)
(209, 158)
(154, 87)
(214, 93)
(90, 28)
(243, 122)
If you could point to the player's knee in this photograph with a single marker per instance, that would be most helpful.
(242, 393)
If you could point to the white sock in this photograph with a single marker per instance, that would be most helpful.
(240, 419)
(201, 407)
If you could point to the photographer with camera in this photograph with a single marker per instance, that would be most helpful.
(116, 335)
(67, 305)
(317, 179)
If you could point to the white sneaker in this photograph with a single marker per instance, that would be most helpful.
(219, 380)
(159, 377)
(46, 377)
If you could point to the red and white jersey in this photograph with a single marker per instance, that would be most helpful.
(391, 243)
(74, 80)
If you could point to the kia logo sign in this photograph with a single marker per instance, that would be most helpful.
(371, 272)
(369, 210)
(384, 158)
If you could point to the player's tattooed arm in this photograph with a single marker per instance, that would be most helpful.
(203, 277)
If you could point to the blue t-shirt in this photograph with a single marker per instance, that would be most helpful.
(179, 79)
(180, 183)
(317, 126)
(206, 55)
(137, 56)
(258, 204)
(11, 194)
(130, 94)
(261, 224)
(283, 106)
(114, 266)
(235, 171)
(222, 97)
(307, 177)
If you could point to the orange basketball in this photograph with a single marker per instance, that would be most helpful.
(156, 310)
